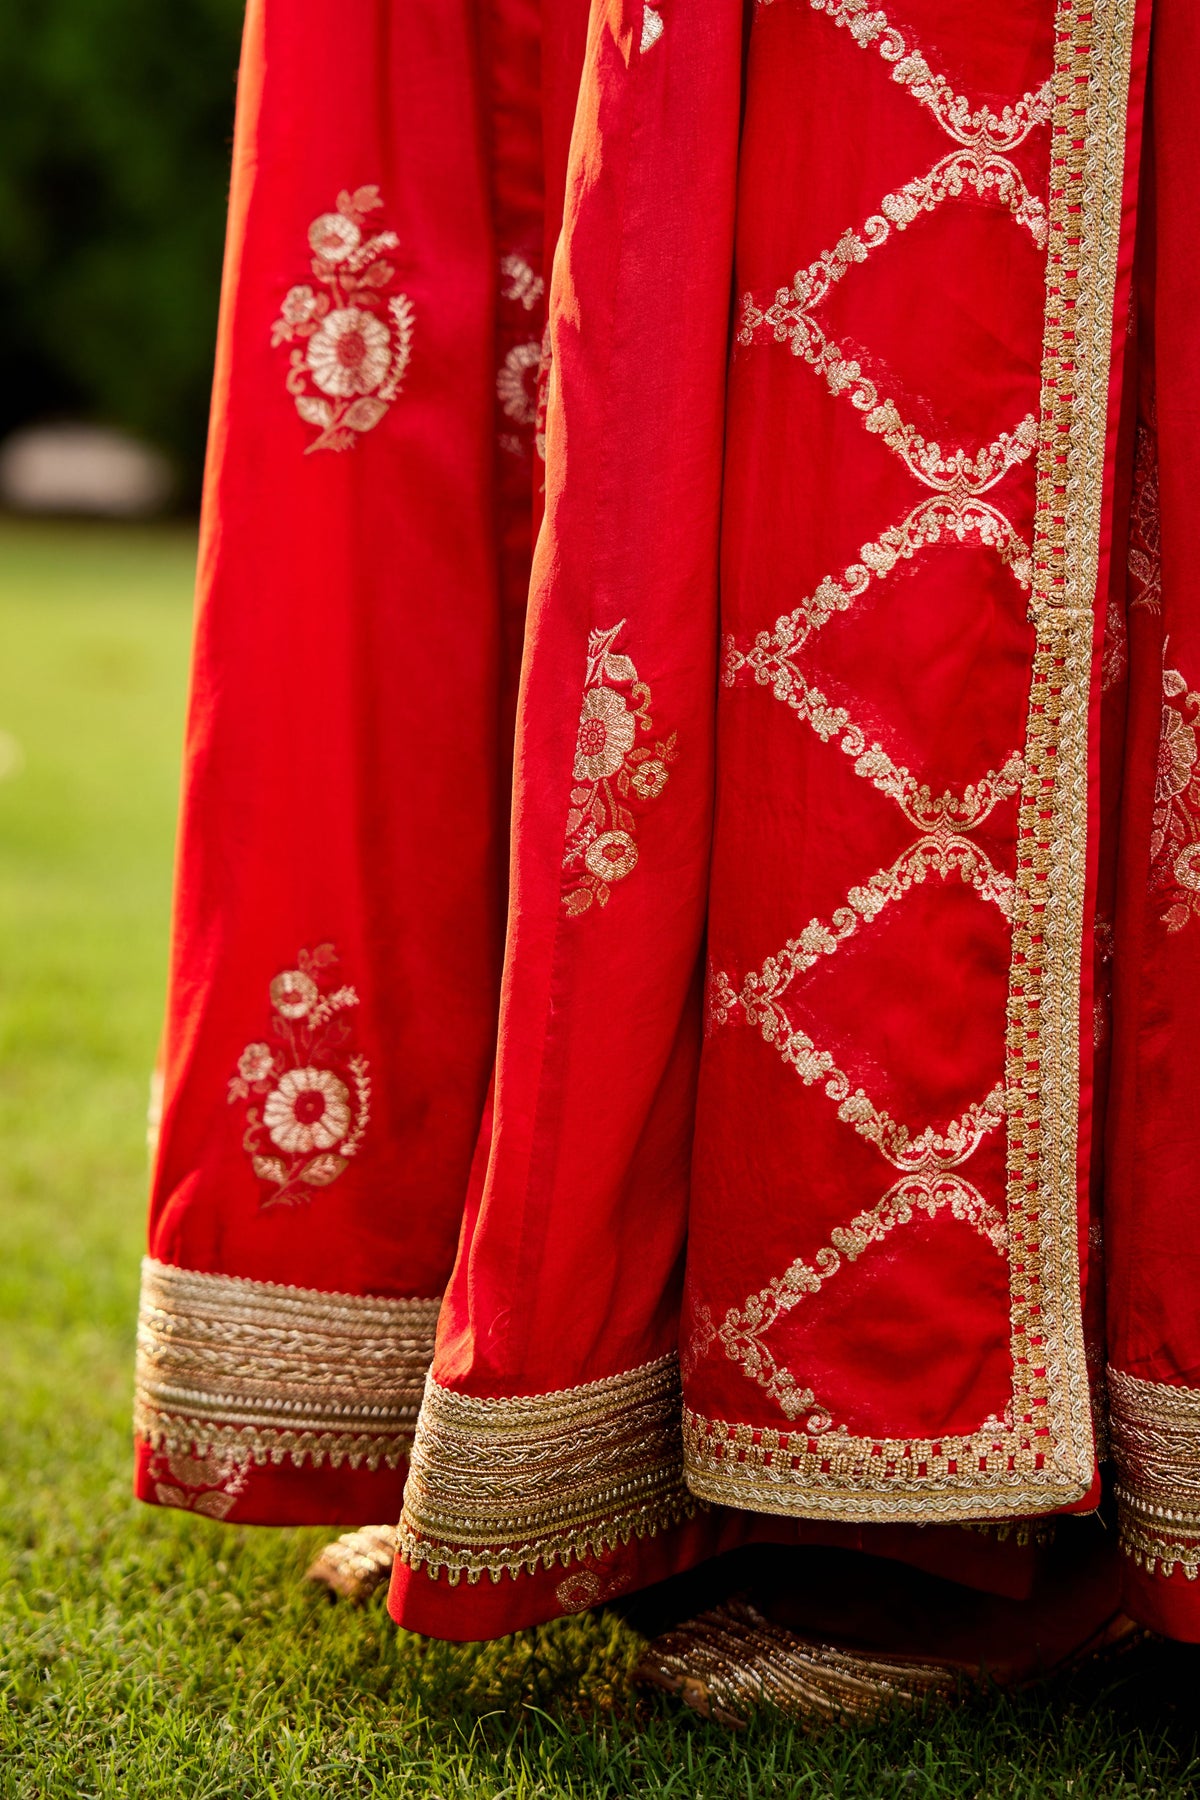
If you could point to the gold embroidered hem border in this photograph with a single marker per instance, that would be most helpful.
(261, 1371)
(1041, 1455)
(1155, 1431)
(834, 1475)
(500, 1486)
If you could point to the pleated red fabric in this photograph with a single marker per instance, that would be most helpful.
(340, 900)
(787, 1176)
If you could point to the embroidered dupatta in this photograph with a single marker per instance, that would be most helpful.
(835, 803)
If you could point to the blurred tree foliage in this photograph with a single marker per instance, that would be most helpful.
(115, 133)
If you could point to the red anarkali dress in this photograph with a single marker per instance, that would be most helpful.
(798, 1147)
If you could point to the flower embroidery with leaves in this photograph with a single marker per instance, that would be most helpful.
(615, 774)
(310, 1102)
(208, 1484)
(1145, 526)
(1175, 830)
(522, 306)
(354, 331)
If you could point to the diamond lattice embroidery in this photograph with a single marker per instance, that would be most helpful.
(953, 508)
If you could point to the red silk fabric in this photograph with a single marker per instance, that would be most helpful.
(358, 639)
(751, 1083)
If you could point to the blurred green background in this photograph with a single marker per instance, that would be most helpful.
(115, 131)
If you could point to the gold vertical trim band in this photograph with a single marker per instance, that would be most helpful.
(264, 1371)
(1093, 46)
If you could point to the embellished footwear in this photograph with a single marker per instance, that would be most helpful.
(727, 1662)
(355, 1564)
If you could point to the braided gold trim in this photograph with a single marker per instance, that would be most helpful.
(1041, 1454)
(262, 1371)
(1155, 1430)
(498, 1486)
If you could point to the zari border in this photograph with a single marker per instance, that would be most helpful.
(1156, 1446)
(261, 1371)
(1041, 1455)
(501, 1486)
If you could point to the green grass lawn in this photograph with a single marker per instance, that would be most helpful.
(153, 1654)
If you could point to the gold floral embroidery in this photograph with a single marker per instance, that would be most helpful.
(697, 1340)
(1143, 560)
(1040, 1453)
(316, 1102)
(521, 293)
(1104, 950)
(1114, 652)
(652, 28)
(1175, 827)
(520, 281)
(1155, 1429)
(501, 1486)
(355, 331)
(514, 390)
(615, 776)
(231, 1371)
(584, 1588)
(1145, 525)
(543, 395)
(208, 1484)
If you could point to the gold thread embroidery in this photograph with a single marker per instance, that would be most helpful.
(960, 518)
(1104, 947)
(500, 1486)
(1025, 1534)
(316, 1102)
(831, 1474)
(583, 1588)
(1145, 525)
(517, 377)
(728, 1663)
(231, 1370)
(1175, 825)
(745, 1327)
(615, 776)
(1155, 1428)
(1041, 1453)
(514, 390)
(210, 1485)
(542, 407)
(1114, 653)
(868, 24)
(355, 336)
(520, 281)
(652, 28)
